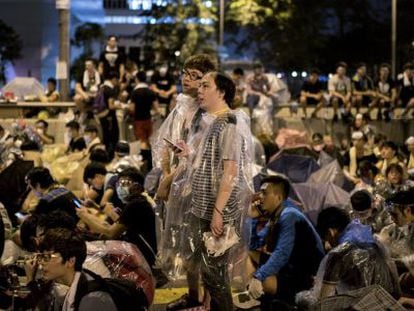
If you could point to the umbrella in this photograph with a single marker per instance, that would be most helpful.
(331, 172)
(22, 87)
(315, 196)
(297, 168)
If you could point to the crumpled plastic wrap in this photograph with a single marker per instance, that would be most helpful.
(52, 152)
(63, 168)
(262, 117)
(123, 260)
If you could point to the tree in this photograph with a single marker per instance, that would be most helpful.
(85, 35)
(187, 28)
(10, 47)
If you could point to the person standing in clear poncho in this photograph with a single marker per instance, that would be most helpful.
(181, 124)
(219, 181)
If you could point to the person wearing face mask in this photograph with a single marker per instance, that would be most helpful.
(136, 223)
(41, 129)
(163, 84)
(76, 142)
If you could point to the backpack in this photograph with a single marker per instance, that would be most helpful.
(124, 293)
(99, 104)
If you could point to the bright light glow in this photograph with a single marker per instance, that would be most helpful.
(330, 75)
(279, 75)
(177, 53)
(304, 74)
(294, 74)
(208, 4)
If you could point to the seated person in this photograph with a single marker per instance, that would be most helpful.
(257, 85)
(339, 87)
(51, 195)
(41, 129)
(358, 153)
(389, 155)
(363, 93)
(369, 211)
(92, 139)
(94, 177)
(356, 260)
(311, 93)
(386, 89)
(406, 89)
(77, 142)
(136, 223)
(410, 158)
(394, 181)
(287, 256)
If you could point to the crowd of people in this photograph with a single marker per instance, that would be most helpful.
(97, 225)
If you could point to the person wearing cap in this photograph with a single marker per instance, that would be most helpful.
(368, 210)
(357, 153)
(389, 155)
(406, 89)
(311, 93)
(410, 147)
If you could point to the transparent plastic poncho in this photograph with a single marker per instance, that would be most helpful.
(121, 260)
(194, 189)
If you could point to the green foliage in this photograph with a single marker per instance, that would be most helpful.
(10, 46)
(184, 34)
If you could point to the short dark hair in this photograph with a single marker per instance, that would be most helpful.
(390, 144)
(341, 64)
(238, 71)
(28, 232)
(402, 200)
(74, 125)
(91, 129)
(122, 147)
(112, 75)
(112, 36)
(202, 62)
(99, 155)
(141, 76)
(385, 65)
(361, 200)
(394, 166)
(361, 64)
(281, 182)
(408, 66)
(257, 65)
(315, 71)
(93, 169)
(226, 86)
(57, 219)
(67, 243)
(133, 174)
(332, 218)
(43, 122)
(52, 80)
(41, 176)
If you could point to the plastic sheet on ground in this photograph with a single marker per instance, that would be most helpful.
(316, 196)
(122, 260)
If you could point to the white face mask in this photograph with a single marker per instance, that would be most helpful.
(87, 139)
(163, 71)
(40, 131)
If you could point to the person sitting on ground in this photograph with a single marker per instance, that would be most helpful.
(41, 129)
(51, 195)
(311, 93)
(357, 153)
(94, 177)
(394, 181)
(363, 93)
(410, 158)
(369, 210)
(355, 260)
(406, 89)
(339, 87)
(288, 256)
(136, 223)
(389, 155)
(77, 142)
(92, 139)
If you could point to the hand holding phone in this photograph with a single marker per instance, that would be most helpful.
(77, 202)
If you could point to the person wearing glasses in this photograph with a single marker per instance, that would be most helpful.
(183, 120)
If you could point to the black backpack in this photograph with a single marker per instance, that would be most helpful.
(123, 292)
(99, 104)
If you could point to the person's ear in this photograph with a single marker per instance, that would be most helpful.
(407, 211)
(71, 262)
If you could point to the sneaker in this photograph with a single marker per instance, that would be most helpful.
(184, 302)
(244, 301)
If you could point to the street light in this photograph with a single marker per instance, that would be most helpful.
(393, 37)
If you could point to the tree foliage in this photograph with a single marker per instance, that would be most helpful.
(10, 46)
(180, 29)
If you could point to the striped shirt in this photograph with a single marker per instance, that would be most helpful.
(221, 143)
